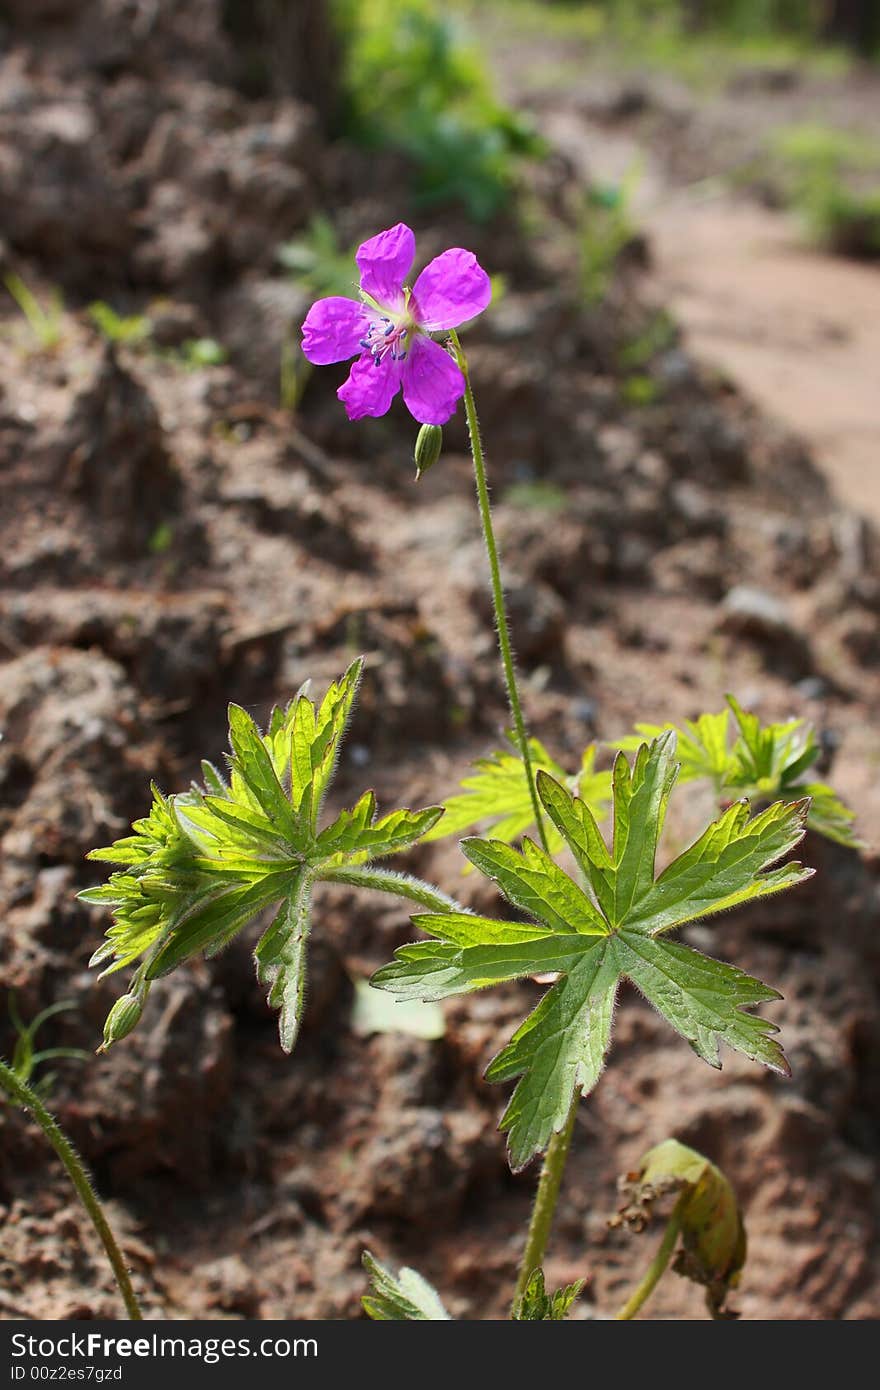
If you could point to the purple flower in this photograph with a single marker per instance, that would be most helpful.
(388, 330)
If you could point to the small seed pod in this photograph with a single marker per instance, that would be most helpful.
(428, 447)
(122, 1019)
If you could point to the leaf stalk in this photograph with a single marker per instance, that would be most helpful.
(389, 881)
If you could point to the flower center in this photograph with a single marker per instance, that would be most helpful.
(387, 337)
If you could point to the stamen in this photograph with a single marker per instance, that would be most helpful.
(386, 337)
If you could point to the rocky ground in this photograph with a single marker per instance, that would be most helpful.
(170, 540)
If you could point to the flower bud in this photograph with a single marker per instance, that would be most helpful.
(428, 446)
(122, 1019)
(713, 1237)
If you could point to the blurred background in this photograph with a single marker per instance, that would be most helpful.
(679, 204)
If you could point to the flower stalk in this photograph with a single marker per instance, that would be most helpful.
(555, 1158)
(657, 1268)
(544, 1208)
(501, 623)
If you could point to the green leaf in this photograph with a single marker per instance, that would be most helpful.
(210, 923)
(357, 836)
(765, 754)
(405, 1297)
(765, 763)
(251, 760)
(531, 880)
(229, 833)
(159, 886)
(316, 736)
(497, 794)
(27, 1057)
(203, 864)
(829, 816)
(213, 780)
(536, 1305)
(281, 959)
(703, 999)
(559, 1051)
(701, 747)
(128, 329)
(724, 867)
(616, 932)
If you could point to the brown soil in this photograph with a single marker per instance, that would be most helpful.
(170, 540)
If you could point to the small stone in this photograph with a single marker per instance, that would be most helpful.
(812, 688)
(764, 620)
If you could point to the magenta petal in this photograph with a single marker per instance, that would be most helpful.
(384, 263)
(333, 330)
(432, 383)
(370, 388)
(453, 288)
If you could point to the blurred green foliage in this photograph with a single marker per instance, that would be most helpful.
(412, 82)
(855, 22)
(45, 320)
(658, 333)
(538, 495)
(201, 352)
(832, 178)
(639, 390)
(318, 261)
(605, 229)
(702, 41)
(162, 538)
(130, 330)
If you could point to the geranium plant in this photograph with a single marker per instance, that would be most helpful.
(591, 909)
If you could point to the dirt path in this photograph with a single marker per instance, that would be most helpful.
(796, 329)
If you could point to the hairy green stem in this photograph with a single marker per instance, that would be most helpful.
(501, 622)
(553, 1167)
(402, 885)
(21, 1094)
(657, 1268)
(545, 1202)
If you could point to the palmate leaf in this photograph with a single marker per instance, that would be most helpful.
(497, 794)
(613, 929)
(203, 864)
(701, 746)
(763, 763)
(773, 760)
